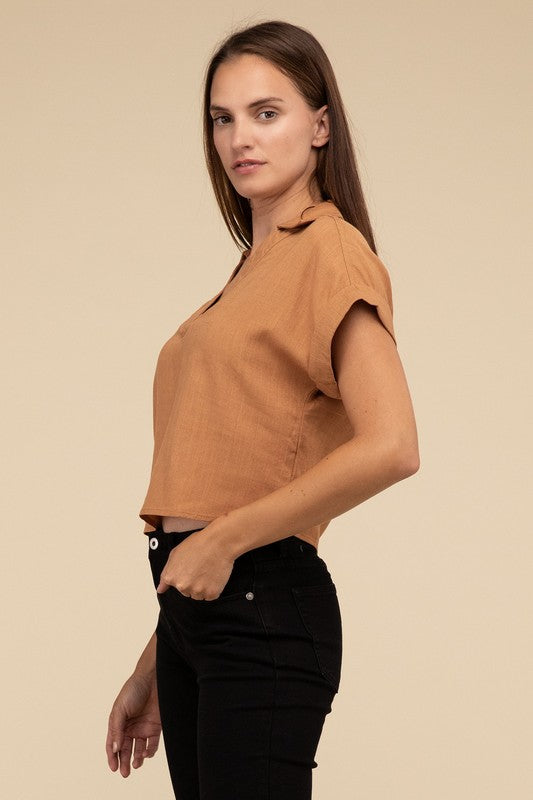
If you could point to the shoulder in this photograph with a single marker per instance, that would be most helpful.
(334, 233)
(342, 254)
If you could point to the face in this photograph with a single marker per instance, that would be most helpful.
(282, 132)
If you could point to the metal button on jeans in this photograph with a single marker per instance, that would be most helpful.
(249, 595)
(154, 544)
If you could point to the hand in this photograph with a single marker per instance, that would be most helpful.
(199, 567)
(134, 716)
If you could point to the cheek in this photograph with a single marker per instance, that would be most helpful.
(220, 143)
(294, 150)
(294, 141)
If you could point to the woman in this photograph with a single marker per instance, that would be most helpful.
(278, 405)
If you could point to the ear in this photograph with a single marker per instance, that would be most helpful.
(322, 127)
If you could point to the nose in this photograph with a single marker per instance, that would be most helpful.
(241, 134)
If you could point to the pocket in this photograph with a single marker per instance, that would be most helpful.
(221, 599)
(319, 610)
(158, 557)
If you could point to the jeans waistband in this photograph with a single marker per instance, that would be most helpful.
(290, 546)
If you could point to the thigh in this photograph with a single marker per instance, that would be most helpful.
(267, 688)
(178, 705)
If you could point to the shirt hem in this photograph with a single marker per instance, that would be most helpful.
(152, 518)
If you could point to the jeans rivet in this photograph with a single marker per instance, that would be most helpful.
(154, 544)
(249, 595)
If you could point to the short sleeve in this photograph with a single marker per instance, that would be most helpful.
(363, 277)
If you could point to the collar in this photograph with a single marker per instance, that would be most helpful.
(325, 208)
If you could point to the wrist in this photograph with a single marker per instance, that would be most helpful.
(226, 532)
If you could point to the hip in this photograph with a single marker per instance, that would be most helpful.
(280, 602)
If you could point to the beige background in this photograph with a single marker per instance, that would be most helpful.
(111, 237)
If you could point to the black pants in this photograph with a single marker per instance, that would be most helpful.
(245, 681)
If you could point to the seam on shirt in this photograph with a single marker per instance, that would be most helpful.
(342, 249)
(300, 426)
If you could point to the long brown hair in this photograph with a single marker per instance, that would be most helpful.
(299, 56)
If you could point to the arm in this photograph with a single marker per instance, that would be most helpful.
(382, 451)
(146, 663)
(134, 724)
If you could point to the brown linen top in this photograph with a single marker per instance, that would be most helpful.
(244, 394)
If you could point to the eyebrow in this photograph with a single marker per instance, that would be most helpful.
(260, 102)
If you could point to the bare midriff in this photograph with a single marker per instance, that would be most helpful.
(181, 524)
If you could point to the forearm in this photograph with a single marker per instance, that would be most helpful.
(346, 477)
(146, 664)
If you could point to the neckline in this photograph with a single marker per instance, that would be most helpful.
(304, 218)
(282, 230)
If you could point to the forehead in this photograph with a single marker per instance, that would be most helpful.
(245, 75)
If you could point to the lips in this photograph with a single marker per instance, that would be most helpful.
(245, 162)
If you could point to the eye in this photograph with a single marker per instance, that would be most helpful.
(216, 120)
(269, 111)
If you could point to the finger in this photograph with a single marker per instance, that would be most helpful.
(138, 752)
(151, 746)
(162, 587)
(125, 756)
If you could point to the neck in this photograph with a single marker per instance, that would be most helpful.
(266, 215)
